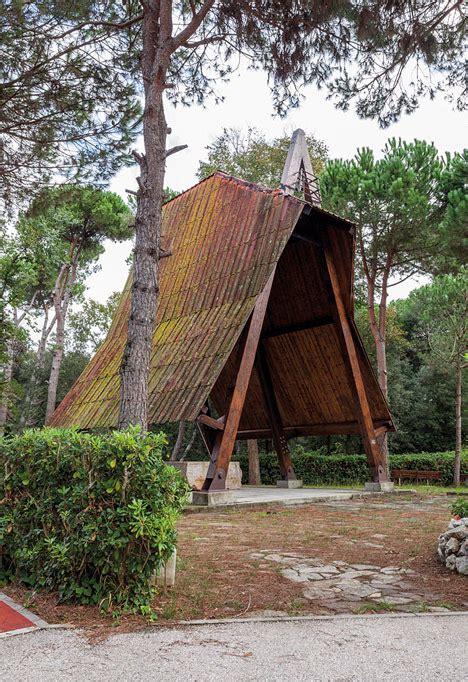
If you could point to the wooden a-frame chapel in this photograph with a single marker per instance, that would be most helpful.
(255, 316)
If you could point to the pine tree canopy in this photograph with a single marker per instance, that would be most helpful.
(70, 72)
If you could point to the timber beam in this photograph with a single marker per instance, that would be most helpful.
(375, 459)
(274, 416)
(306, 238)
(338, 429)
(225, 439)
(216, 424)
(301, 326)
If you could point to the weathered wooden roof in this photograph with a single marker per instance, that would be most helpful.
(226, 237)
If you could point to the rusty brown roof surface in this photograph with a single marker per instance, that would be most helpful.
(226, 235)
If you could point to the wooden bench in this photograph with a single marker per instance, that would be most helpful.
(415, 475)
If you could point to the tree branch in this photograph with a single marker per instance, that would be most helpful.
(174, 150)
(101, 24)
(205, 41)
(192, 26)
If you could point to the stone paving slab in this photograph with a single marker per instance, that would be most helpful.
(341, 587)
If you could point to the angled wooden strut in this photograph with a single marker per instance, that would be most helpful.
(222, 444)
(298, 174)
(274, 415)
(368, 433)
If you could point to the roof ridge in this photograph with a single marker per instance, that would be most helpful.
(223, 174)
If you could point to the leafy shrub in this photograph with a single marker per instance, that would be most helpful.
(92, 516)
(318, 469)
(460, 507)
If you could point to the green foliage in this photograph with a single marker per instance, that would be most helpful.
(421, 390)
(252, 157)
(44, 267)
(397, 341)
(318, 469)
(430, 461)
(64, 64)
(393, 201)
(88, 326)
(441, 309)
(66, 108)
(74, 215)
(453, 194)
(17, 280)
(460, 507)
(422, 402)
(91, 516)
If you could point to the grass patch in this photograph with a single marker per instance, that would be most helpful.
(423, 489)
(375, 607)
(297, 605)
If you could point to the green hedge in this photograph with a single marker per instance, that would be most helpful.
(91, 516)
(318, 469)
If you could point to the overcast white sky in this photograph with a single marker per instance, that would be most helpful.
(248, 103)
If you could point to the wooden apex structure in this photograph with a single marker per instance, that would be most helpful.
(255, 335)
(298, 174)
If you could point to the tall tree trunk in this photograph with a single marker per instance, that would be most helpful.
(381, 353)
(190, 443)
(254, 463)
(179, 442)
(30, 400)
(158, 46)
(379, 334)
(458, 427)
(55, 369)
(62, 294)
(134, 369)
(5, 384)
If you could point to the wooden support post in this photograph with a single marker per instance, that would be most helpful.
(216, 424)
(225, 441)
(274, 417)
(374, 455)
(254, 463)
(211, 436)
(214, 452)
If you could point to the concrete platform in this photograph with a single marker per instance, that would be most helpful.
(250, 495)
(290, 483)
(220, 498)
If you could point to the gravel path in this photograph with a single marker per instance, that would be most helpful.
(370, 648)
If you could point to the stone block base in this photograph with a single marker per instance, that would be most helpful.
(167, 573)
(380, 486)
(214, 499)
(290, 483)
(195, 474)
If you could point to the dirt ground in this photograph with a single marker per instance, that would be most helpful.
(217, 576)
